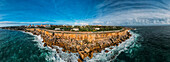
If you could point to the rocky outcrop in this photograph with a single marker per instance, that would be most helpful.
(84, 43)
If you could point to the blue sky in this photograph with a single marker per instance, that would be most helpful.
(82, 12)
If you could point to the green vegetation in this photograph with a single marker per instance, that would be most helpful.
(92, 28)
(85, 28)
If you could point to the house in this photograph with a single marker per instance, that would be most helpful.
(97, 28)
(114, 27)
(32, 26)
(36, 25)
(29, 25)
(76, 29)
(72, 25)
(30, 29)
(48, 26)
(57, 29)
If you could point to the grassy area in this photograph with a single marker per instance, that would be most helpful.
(85, 28)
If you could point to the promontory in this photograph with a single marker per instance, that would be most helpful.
(84, 40)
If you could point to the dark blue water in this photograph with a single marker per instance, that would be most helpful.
(152, 45)
(155, 45)
(16, 46)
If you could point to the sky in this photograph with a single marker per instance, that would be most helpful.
(85, 12)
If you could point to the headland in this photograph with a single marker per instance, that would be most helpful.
(84, 40)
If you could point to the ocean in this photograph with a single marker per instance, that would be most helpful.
(147, 44)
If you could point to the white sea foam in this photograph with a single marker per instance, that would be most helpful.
(52, 54)
(113, 53)
(72, 57)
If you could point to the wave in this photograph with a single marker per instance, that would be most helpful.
(113, 53)
(60, 56)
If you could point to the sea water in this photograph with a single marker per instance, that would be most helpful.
(147, 44)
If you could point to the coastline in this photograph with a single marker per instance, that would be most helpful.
(54, 55)
(66, 56)
(96, 55)
(82, 54)
(86, 52)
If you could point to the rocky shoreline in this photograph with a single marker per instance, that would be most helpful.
(84, 47)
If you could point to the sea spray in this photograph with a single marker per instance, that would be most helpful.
(113, 53)
(53, 55)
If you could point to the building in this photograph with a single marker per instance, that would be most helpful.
(36, 25)
(114, 27)
(32, 25)
(97, 28)
(72, 25)
(58, 29)
(29, 25)
(76, 29)
(48, 26)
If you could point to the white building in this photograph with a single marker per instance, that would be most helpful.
(57, 29)
(48, 26)
(97, 28)
(72, 25)
(76, 29)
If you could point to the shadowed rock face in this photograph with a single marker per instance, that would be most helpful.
(84, 43)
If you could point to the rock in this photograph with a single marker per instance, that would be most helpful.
(97, 47)
(117, 44)
(95, 51)
(85, 55)
(79, 60)
(45, 45)
(89, 45)
(106, 51)
(87, 50)
(63, 50)
(61, 44)
(81, 54)
(90, 55)
(99, 50)
(78, 46)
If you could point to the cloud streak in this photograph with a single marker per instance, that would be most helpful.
(133, 12)
(83, 12)
(11, 22)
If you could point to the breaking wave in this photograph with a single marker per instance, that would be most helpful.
(60, 56)
(113, 53)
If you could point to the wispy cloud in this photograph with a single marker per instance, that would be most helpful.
(81, 23)
(11, 22)
(6, 22)
(1, 16)
(133, 12)
(91, 12)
